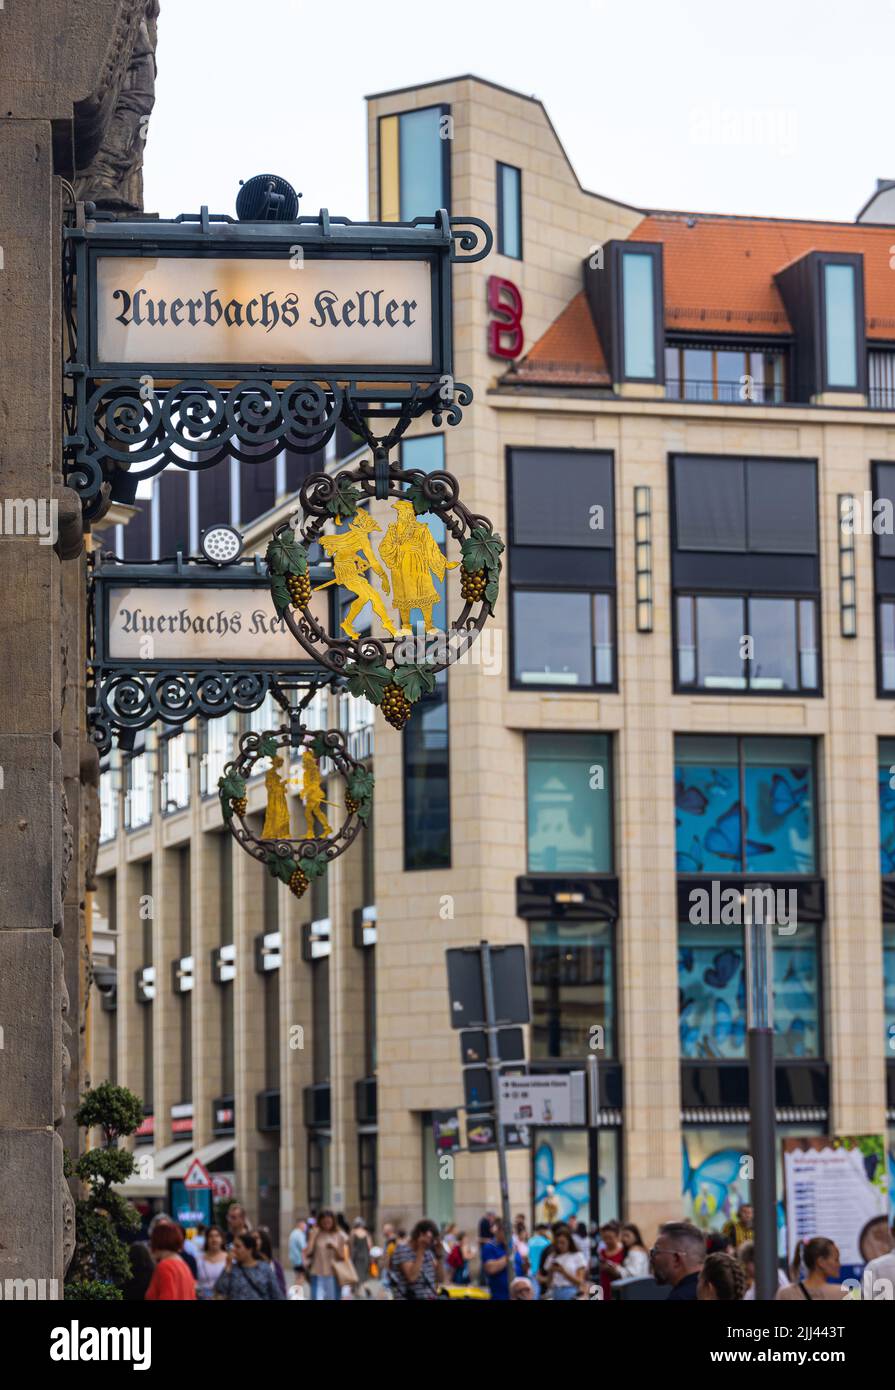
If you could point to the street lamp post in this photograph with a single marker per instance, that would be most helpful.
(762, 1103)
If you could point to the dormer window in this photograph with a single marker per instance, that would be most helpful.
(624, 290)
(824, 296)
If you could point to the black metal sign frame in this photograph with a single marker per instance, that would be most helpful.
(125, 696)
(125, 422)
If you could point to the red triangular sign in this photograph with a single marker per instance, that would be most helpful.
(197, 1175)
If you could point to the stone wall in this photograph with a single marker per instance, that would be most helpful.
(72, 81)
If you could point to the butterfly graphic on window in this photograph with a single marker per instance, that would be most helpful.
(785, 798)
(721, 971)
(719, 783)
(690, 1033)
(887, 855)
(689, 799)
(727, 1031)
(570, 1193)
(723, 838)
(690, 861)
(708, 1185)
(886, 792)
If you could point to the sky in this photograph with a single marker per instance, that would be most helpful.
(773, 107)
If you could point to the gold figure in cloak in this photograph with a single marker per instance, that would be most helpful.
(312, 797)
(411, 553)
(276, 817)
(352, 554)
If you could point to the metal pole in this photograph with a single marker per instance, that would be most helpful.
(494, 1070)
(762, 1102)
(593, 1138)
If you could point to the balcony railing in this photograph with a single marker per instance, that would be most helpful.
(725, 392)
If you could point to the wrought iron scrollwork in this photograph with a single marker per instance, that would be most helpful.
(132, 700)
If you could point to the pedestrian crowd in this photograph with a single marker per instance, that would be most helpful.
(330, 1260)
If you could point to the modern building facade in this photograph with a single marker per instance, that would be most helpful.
(683, 428)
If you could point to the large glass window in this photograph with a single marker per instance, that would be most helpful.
(562, 1178)
(738, 643)
(712, 993)
(840, 325)
(726, 373)
(562, 638)
(562, 568)
(569, 804)
(744, 805)
(889, 987)
(509, 211)
(571, 988)
(639, 314)
(414, 177)
(887, 807)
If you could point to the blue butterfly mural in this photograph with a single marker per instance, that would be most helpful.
(723, 838)
(689, 799)
(571, 1193)
(707, 1187)
(785, 798)
(690, 861)
(720, 972)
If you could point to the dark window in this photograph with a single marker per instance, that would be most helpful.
(367, 1176)
(509, 211)
(174, 512)
(753, 506)
(881, 379)
(427, 787)
(257, 488)
(571, 988)
(320, 1016)
(879, 517)
(746, 574)
(745, 805)
(562, 567)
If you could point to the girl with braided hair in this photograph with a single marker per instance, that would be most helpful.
(722, 1279)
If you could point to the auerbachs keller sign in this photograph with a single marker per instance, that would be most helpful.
(290, 312)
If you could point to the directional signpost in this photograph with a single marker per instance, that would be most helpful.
(488, 991)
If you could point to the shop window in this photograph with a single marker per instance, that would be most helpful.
(572, 990)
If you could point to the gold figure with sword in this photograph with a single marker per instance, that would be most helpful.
(312, 797)
(352, 555)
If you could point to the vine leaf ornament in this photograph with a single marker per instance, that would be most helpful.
(397, 670)
(297, 862)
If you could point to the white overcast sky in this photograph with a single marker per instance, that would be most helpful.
(776, 107)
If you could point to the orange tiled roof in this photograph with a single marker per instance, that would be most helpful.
(568, 354)
(719, 271)
(719, 277)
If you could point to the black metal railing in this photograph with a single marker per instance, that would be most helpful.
(726, 392)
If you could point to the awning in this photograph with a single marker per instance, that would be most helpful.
(157, 1166)
(209, 1154)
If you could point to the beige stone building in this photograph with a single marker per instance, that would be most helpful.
(688, 683)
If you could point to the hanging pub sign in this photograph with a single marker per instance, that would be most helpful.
(296, 854)
(171, 640)
(194, 339)
(394, 569)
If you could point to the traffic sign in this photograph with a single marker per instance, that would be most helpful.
(466, 987)
(197, 1176)
(474, 1046)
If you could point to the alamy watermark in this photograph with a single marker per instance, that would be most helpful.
(717, 905)
(30, 516)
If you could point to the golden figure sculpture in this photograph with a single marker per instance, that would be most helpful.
(276, 817)
(410, 552)
(312, 797)
(352, 554)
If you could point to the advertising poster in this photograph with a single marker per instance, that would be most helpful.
(838, 1188)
